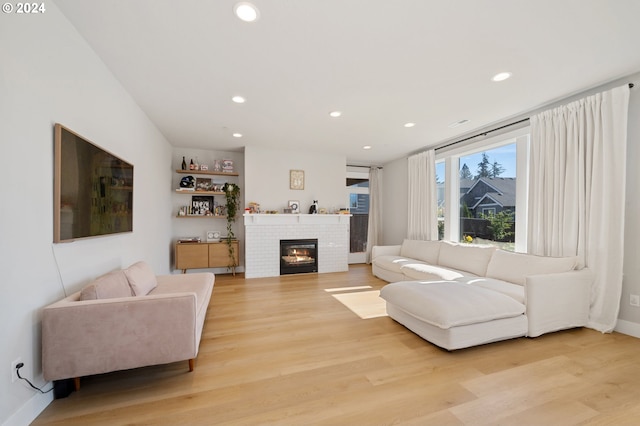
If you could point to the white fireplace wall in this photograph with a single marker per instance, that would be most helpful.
(264, 232)
(266, 176)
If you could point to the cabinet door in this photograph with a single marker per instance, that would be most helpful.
(189, 256)
(219, 254)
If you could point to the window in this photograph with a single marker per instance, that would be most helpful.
(358, 193)
(440, 179)
(484, 188)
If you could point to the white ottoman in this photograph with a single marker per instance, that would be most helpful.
(454, 315)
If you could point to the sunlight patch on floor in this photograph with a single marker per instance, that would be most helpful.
(331, 290)
(365, 304)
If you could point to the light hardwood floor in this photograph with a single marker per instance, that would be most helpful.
(283, 351)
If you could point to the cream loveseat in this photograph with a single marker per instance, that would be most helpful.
(125, 319)
(461, 295)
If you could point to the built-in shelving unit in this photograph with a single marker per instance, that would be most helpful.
(205, 254)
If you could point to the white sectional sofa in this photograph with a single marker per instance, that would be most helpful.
(461, 295)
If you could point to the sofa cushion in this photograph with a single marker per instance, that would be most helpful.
(515, 267)
(465, 257)
(424, 272)
(447, 304)
(141, 278)
(509, 289)
(426, 251)
(394, 263)
(108, 286)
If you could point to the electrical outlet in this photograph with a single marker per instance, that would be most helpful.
(634, 300)
(14, 373)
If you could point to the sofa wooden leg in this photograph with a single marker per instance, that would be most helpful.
(191, 364)
(76, 383)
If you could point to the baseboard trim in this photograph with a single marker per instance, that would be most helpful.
(30, 410)
(628, 328)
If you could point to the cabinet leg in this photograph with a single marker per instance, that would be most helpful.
(184, 271)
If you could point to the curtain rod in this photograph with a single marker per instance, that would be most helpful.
(485, 133)
(365, 167)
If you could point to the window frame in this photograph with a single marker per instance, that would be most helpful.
(451, 157)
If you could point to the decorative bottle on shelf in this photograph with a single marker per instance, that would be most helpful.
(184, 163)
(191, 165)
(196, 165)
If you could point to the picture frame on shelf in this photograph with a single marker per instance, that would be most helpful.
(296, 179)
(294, 206)
(202, 205)
(204, 184)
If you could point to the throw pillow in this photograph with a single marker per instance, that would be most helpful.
(141, 278)
(108, 286)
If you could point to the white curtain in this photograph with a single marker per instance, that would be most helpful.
(374, 230)
(422, 208)
(577, 192)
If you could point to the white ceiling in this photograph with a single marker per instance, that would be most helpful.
(381, 62)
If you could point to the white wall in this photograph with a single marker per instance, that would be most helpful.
(631, 280)
(48, 74)
(395, 195)
(395, 199)
(267, 179)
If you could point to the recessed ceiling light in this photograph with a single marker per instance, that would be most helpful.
(238, 99)
(501, 76)
(366, 147)
(246, 11)
(237, 135)
(335, 114)
(409, 124)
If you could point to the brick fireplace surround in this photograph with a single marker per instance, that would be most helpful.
(263, 233)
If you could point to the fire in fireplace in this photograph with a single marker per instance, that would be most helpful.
(298, 256)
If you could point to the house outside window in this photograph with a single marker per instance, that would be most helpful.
(484, 187)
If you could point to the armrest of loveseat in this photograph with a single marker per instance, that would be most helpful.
(557, 301)
(81, 338)
(385, 251)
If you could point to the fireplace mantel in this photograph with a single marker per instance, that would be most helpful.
(293, 219)
(263, 233)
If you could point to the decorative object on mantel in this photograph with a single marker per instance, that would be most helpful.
(323, 210)
(314, 207)
(294, 206)
(253, 207)
(296, 179)
(232, 196)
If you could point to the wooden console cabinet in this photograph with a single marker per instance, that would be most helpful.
(205, 255)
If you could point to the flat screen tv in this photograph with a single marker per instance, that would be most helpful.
(93, 189)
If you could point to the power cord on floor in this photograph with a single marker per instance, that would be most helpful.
(18, 367)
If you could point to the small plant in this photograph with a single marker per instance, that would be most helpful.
(232, 196)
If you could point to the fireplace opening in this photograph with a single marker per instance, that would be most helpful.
(298, 256)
